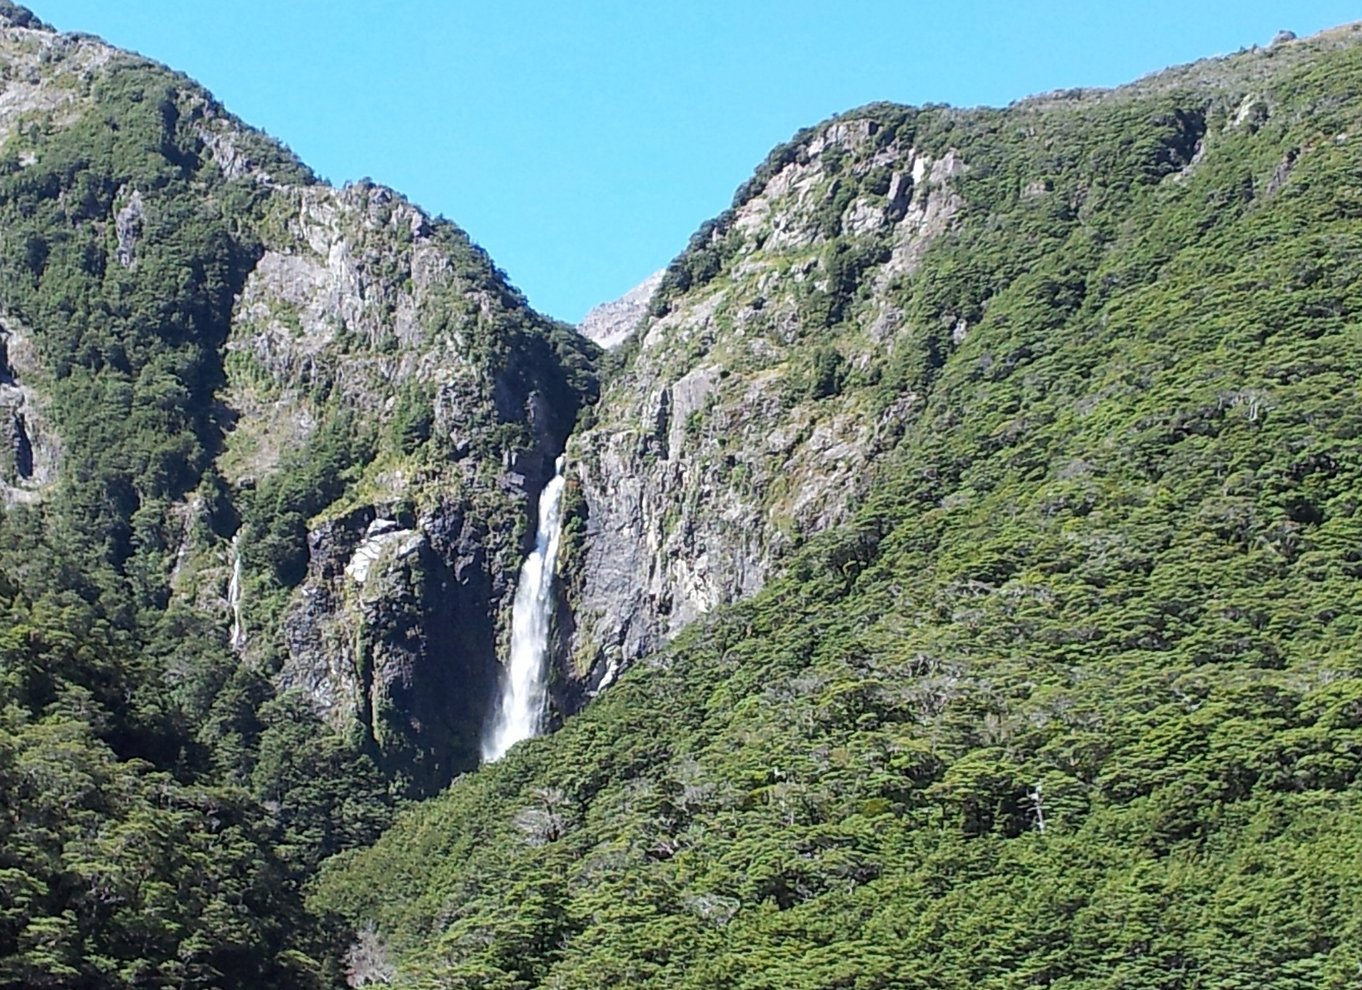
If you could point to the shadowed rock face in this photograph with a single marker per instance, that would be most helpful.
(397, 627)
(29, 449)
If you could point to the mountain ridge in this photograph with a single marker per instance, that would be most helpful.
(684, 579)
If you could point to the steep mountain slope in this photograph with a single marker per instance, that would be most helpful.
(793, 343)
(1039, 431)
(367, 315)
(338, 371)
(270, 452)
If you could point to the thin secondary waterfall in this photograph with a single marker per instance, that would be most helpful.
(238, 640)
(524, 693)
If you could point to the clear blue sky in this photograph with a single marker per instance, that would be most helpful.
(582, 141)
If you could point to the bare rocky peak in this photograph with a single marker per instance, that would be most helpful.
(610, 324)
(13, 15)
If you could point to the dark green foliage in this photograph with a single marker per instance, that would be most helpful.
(329, 797)
(820, 376)
(710, 248)
(1075, 699)
(308, 480)
(844, 268)
(132, 349)
(118, 875)
(828, 218)
(154, 833)
(130, 854)
(412, 420)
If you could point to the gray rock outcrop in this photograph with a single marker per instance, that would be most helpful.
(29, 449)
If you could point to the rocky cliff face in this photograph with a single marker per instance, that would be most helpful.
(30, 448)
(363, 298)
(730, 436)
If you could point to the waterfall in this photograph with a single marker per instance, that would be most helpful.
(524, 692)
(238, 639)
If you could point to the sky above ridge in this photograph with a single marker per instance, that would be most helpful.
(582, 142)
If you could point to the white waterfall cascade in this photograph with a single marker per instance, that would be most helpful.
(238, 640)
(524, 692)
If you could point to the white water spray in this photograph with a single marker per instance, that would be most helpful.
(524, 693)
(238, 640)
